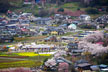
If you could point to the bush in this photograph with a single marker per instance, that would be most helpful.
(3, 8)
(78, 8)
(92, 11)
(60, 10)
(88, 26)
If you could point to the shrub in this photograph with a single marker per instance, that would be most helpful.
(92, 11)
(88, 26)
(78, 8)
(60, 10)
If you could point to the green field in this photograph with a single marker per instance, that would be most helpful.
(25, 63)
(27, 59)
(71, 6)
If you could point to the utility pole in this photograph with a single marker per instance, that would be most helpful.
(33, 5)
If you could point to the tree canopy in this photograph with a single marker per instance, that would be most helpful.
(4, 6)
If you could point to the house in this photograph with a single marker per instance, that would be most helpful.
(51, 39)
(12, 32)
(60, 31)
(1, 19)
(25, 21)
(42, 21)
(84, 66)
(72, 45)
(45, 33)
(58, 16)
(13, 21)
(53, 31)
(84, 17)
(73, 49)
(28, 1)
(102, 19)
(6, 38)
(63, 26)
(67, 38)
(14, 16)
(36, 48)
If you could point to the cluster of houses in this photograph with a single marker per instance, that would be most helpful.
(16, 26)
(102, 19)
(21, 24)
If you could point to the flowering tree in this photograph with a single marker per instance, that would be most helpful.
(96, 37)
(50, 62)
(60, 53)
(94, 49)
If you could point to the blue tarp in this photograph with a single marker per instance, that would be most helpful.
(37, 1)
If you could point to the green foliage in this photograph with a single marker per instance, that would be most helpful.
(71, 6)
(16, 3)
(78, 8)
(4, 6)
(85, 26)
(45, 60)
(60, 10)
(99, 3)
(92, 11)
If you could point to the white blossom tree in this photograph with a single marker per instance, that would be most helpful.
(89, 44)
(60, 53)
(94, 49)
(50, 62)
(96, 37)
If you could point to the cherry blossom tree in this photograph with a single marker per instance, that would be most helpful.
(94, 49)
(50, 62)
(96, 37)
(60, 53)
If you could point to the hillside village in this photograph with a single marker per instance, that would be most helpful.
(53, 36)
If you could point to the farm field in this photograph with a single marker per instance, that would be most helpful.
(22, 60)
